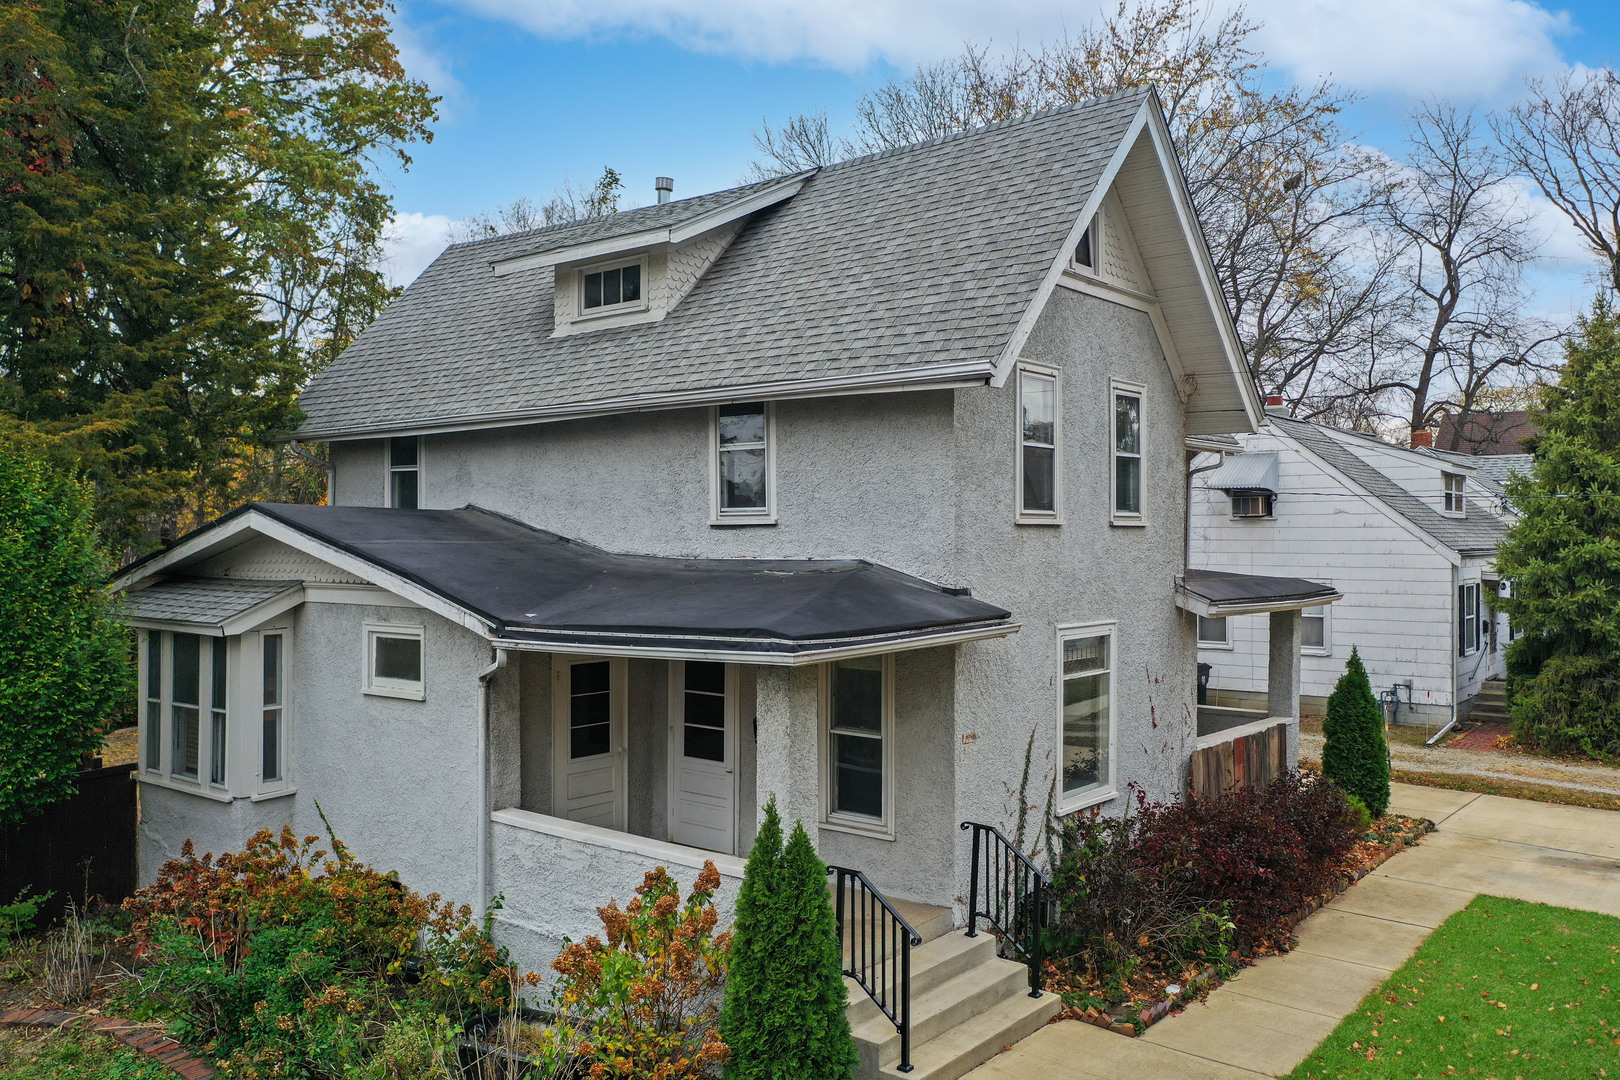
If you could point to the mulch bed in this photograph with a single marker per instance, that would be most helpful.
(1485, 736)
(143, 1040)
(1149, 1002)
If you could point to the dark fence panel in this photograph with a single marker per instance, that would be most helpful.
(83, 846)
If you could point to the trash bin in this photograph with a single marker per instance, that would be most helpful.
(1203, 684)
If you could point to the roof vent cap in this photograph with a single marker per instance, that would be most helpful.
(665, 186)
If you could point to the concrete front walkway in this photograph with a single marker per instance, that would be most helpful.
(1270, 1016)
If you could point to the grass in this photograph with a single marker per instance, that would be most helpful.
(1513, 789)
(68, 1054)
(1503, 990)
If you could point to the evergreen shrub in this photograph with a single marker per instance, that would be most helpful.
(1355, 755)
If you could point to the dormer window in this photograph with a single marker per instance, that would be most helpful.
(1085, 249)
(612, 288)
(1454, 493)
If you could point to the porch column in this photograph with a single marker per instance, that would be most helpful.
(786, 751)
(1282, 680)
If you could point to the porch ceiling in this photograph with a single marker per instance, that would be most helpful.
(1215, 593)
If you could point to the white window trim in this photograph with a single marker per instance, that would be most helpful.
(394, 688)
(850, 823)
(163, 775)
(253, 693)
(1068, 632)
(1326, 648)
(1115, 517)
(1038, 517)
(1094, 230)
(766, 516)
(1224, 646)
(389, 469)
(1458, 498)
(1476, 643)
(606, 310)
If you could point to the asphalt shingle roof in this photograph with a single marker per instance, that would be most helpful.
(207, 601)
(919, 256)
(1478, 532)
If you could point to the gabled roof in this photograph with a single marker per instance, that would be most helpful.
(525, 587)
(220, 606)
(1477, 533)
(919, 266)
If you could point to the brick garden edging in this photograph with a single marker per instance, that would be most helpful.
(142, 1040)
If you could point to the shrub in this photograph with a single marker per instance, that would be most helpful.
(648, 997)
(19, 915)
(1358, 810)
(1354, 753)
(785, 1003)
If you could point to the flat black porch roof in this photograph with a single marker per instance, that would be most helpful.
(1214, 593)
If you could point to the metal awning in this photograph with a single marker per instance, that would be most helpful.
(1245, 472)
(1215, 594)
(216, 607)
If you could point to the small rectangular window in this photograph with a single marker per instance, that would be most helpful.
(1255, 504)
(273, 697)
(1127, 439)
(590, 709)
(1085, 250)
(405, 472)
(184, 698)
(704, 709)
(220, 668)
(1313, 627)
(154, 700)
(613, 287)
(1212, 631)
(1454, 493)
(1087, 718)
(856, 729)
(743, 460)
(1038, 411)
(394, 661)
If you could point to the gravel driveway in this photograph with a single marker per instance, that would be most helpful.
(1491, 764)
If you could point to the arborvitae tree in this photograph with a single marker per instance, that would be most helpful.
(1563, 555)
(1355, 756)
(784, 1015)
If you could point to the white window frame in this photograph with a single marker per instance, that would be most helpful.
(764, 516)
(1225, 643)
(1025, 516)
(253, 693)
(621, 308)
(1455, 500)
(1092, 231)
(1110, 790)
(153, 728)
(1117, 387)
(1469, 644)
(388, 475)
(163, 774)
(394, 688)
(853, 823)
(1326, 648)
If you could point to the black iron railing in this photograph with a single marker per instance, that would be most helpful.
(1014, 894)
(877, 943)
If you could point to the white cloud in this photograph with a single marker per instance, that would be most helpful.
(421, 61)
(1459, 47)
(411, 242)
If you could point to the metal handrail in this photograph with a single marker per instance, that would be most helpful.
(880, 962)
(1017, 903)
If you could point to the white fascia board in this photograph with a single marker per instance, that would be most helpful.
(676, 234)
(1233, 348)
(243, 620)
(955, 375)
(1210, 445)
(1213, 610)
(1054, 273)
(711, 651)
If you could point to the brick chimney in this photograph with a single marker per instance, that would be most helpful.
(1422, 437)
(1274, 401)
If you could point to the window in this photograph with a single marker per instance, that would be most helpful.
(273, 696)
(858, 705)
(154, 701)
(1251, 504)
(1085, 750)
(1213, 632)
(1313, 628)
(1085, 249)
(611, 287)
(220, 668)
(590, 715)
(1454, 493)
(405, 473)
(186, 668)
(744, 463)
(1038, 408)
(1127, 441)
(394, 661)
(704, 711)
(1468, 628)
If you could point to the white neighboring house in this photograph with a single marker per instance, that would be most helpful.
(1409, 536)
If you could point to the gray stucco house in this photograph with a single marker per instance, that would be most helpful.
(844, 487)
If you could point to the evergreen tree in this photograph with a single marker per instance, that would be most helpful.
(1355, 755)
(1563, 555)
(64, 663)
(744, 1019)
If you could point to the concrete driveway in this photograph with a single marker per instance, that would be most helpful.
(1264, 1021)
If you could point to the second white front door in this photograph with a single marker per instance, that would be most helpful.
(588, 740)
(703, 748)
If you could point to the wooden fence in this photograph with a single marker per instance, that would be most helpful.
(79, 848)
(1253, 759)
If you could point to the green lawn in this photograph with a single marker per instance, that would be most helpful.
(67, 1054)
(1503, 990)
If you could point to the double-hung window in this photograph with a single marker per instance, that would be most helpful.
(184, 705)
(1313, 629)
(1454, 503)
(218, 714)
(1086, 717)
(1468, 619)
(273, 695)
(185, 686)
(744, 464)
(857, 719)
(1039, 409)
(405, 472)
(394, 661)
(1126, 438)
(154, 701)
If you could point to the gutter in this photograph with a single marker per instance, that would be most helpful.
(482, 845)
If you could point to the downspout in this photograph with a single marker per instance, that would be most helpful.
(331, 475)
(1186, 533)
(482, 845)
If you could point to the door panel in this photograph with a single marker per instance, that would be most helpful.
(588, 740)
(703, 750)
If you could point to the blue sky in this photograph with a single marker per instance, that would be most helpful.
(536, 90)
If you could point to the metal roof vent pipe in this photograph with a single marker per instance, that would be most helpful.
(665, 186)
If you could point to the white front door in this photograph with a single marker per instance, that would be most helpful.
(588, 740)
(703, 747)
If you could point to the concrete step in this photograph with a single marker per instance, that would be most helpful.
(1482, 714)
(969, 1045)
(929, 920)
(932, 964)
